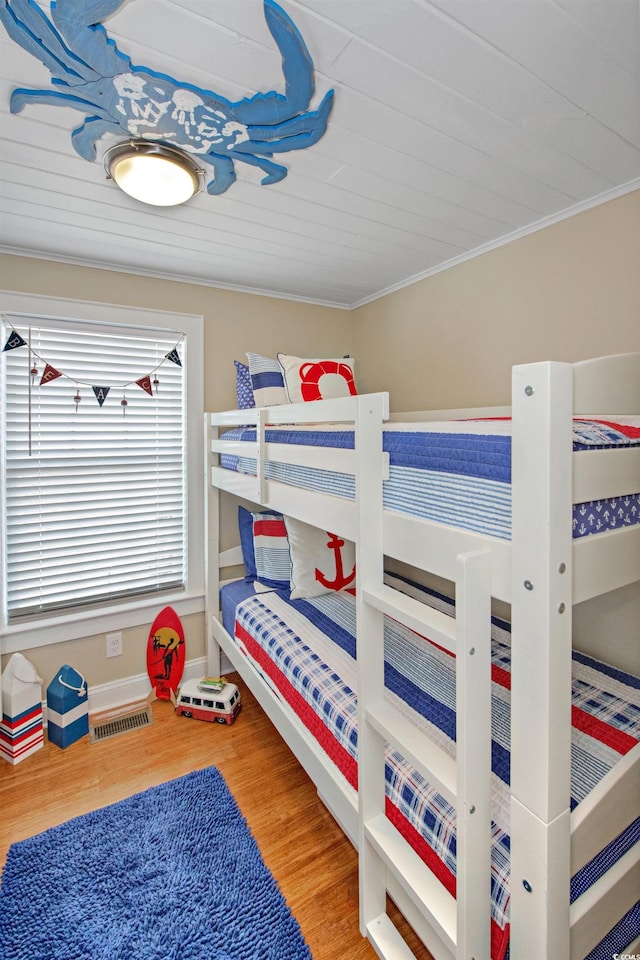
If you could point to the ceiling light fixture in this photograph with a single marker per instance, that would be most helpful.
(153, 173)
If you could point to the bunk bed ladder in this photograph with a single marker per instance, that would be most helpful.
(458, 926)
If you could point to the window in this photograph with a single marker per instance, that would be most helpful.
(97, 462)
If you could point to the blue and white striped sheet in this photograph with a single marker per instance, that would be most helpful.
(457, 474)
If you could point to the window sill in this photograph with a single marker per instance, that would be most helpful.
(42, 633)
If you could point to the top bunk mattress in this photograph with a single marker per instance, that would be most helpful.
(457, 473)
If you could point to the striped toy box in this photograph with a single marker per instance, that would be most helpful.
(21, 731)
(67, 707)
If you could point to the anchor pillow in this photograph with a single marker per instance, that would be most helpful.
(321, 562)
(317, 379)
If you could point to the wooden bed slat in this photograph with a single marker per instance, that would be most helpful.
(420, 618)
(416, 880)
(605, 562)
(606, 810)
(603, 904)
(601, 474)
(386, 940)
(429, 759)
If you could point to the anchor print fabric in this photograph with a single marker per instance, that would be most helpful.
(244, 391)
(321, 562)
(596, 516)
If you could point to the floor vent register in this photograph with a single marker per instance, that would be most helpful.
(122, 724)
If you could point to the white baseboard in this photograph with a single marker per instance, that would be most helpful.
(108, 696)
(117, 693)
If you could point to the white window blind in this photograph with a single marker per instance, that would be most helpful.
(94, 498)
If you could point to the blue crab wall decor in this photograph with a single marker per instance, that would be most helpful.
(91, 75)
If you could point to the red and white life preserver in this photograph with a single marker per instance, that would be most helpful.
(312, 373)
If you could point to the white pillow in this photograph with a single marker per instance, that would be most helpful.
(321, 562)
(317, 379)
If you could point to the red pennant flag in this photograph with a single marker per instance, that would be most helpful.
(145, 383)
(50, 373)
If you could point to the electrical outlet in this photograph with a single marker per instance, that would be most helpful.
(114, 644)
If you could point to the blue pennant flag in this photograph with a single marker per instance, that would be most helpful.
(173, 356)
(101, 394)
(15, 340)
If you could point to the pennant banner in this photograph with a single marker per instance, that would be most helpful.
(50, 373)
(15, 340)
(145, 383)
(174, 356)
(101, 393)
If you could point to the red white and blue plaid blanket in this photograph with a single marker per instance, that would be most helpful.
(305, 649)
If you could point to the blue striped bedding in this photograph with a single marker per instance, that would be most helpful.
(305, 651)
(456, 473)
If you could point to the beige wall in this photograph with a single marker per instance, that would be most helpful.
(233, 324)
(568, 292)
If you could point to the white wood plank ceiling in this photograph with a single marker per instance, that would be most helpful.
(456, 124)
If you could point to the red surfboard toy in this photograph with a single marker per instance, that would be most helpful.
(166, 654)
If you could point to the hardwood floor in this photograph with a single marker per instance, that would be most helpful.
(314, 864)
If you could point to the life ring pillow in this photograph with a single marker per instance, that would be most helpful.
(327, 378)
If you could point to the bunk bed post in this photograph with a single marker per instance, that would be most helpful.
(473, 755)
(260, 455)
(541, 660)
(212, 550)
(370, 653)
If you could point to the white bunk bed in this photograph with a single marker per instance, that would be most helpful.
(541, 572)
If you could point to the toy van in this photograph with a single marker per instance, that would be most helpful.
(204, 700)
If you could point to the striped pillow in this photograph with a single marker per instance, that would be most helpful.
(265, 548)
(267, 381)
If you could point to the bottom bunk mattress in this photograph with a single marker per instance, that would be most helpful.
(305, 651)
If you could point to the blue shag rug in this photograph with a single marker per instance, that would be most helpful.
(169, 874)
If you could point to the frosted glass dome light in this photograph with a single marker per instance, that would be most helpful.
(153, 173)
